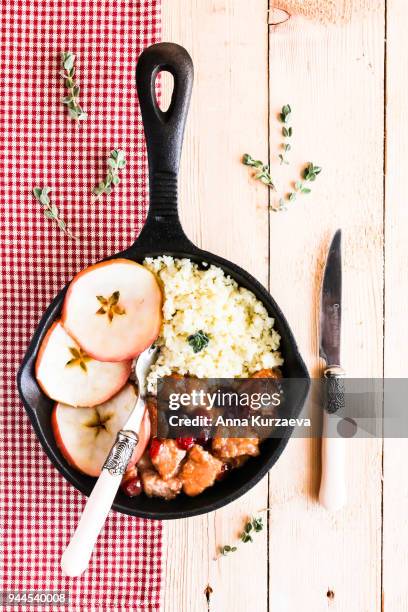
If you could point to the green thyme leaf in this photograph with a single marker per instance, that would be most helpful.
(283, 160)
(285, 112)
(245, 538)
(227, 549)
(71, 100)
(311, 171)
(198, 341)
(253, 525)
(51, 211)
(257, 524)
(68, 60)
(264, 174)
(116, 162)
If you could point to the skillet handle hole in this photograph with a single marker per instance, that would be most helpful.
(164, 88)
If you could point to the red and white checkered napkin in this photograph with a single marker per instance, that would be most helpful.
(42, 146)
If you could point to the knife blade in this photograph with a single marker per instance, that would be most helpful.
(333, 492)
(330, 311)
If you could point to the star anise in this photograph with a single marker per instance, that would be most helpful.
(79, 357)
(110, 305)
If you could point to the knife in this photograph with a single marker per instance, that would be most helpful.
(333, 493)
(76, 556)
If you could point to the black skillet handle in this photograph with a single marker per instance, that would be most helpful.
(164, 133)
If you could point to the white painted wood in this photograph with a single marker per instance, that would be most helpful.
(395, 504)
(225, 212)
(333, 78)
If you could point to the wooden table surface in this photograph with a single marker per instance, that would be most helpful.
(348, 88)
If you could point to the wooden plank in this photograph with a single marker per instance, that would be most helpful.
(395, 529)
(333, 78)
(223, 211)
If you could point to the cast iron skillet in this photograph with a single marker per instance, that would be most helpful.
(163, 234)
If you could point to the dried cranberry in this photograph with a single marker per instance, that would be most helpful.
(225, 468)
(132, 487)
(155, 445)
(185, 443)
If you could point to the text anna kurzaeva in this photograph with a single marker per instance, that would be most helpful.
(255, 420)
(240, 407)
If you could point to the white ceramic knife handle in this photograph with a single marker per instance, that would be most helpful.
(333, 491)
(76, 556)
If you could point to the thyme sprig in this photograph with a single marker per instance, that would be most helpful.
(287, 132)
(252, 526)
(263, 173)
(309, 173)
(51, 211)
(116, 162)
(71, 99)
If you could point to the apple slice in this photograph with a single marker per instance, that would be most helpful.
(113, 309)
(67, 374)
(86, 435)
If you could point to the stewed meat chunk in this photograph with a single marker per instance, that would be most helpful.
(230, 448)
(154, 486)
(199, 471)
(167, 457)
(268, 373)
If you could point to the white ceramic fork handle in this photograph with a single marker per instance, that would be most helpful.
(76, 556)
